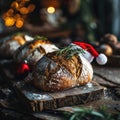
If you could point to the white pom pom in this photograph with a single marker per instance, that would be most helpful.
(101, 59)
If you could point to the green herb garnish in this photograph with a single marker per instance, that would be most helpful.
(89, 114)
(70, 51)
(40, 37)
(17, 34)
(20, 33)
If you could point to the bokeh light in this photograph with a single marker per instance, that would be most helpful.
(51, 10)
(17, 13)
(19, 22)
(9, 21)
(24, 10)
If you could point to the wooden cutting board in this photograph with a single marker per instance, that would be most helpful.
(35, 100)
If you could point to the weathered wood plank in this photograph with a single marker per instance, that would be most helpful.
(37, 100)
(103, 82)
(109, 74)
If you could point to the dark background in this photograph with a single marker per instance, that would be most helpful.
(90, 20)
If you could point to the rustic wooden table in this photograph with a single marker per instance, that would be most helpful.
(108, 77)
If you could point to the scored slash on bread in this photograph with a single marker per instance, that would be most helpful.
(54, 73)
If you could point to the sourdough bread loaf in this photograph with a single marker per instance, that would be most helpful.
(55, 73)
(34, 50)
(10, 44)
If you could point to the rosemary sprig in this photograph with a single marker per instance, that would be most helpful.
(40, 37)
(89, 114)
(70, 51)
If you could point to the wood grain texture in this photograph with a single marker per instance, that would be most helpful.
(35, 100)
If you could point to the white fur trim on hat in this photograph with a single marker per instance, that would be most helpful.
(101, 59)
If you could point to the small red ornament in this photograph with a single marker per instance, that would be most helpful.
(23, 70)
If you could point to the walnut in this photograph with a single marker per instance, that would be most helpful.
(109, 39)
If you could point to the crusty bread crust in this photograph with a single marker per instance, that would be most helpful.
(10, 44)
(54, 73)
(33, 51)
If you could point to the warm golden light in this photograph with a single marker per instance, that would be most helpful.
(19, 23)
(24, 10)
(17, 13)
(9, 21)
(5, 15)
(51, 10)
(16, 16)
(10, 11)
(31, 7)
(15, 5)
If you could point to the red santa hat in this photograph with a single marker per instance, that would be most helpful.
(100, 58)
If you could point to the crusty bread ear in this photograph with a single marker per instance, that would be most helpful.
(10, 44)
(34, 50)
(55, 73)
